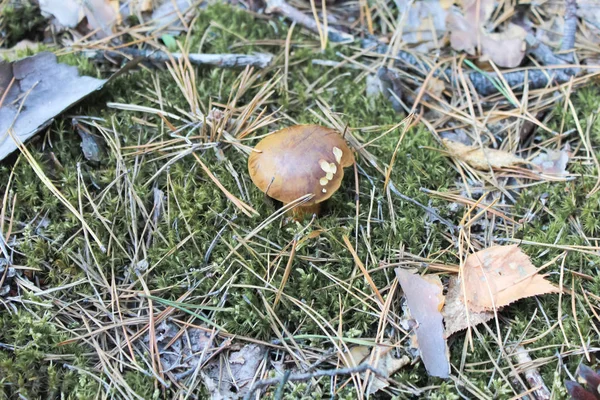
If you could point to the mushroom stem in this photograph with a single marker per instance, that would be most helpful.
(300, 212)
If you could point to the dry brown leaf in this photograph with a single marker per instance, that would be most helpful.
(455, 312)
(506, 48)
(425, 299)
(482, 158)
(500, 275)
(425, 22)
(386, 362)
(436, 86)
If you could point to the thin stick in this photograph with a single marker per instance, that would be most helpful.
(532, 375)
(258, 60)
(307, 376)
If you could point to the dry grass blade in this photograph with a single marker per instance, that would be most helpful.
(360, 265)
(245, 208)
(48, 183)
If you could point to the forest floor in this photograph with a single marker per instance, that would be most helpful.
(157, 281)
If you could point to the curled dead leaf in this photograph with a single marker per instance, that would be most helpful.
(505, 48)
(482, 158)
(456, 315)
(381, 357)
(553, 162)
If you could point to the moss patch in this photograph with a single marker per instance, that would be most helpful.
(190, 251)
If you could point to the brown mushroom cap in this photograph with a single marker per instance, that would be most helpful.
(300, 160)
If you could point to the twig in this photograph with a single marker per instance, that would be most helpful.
(258, 60)
(538, 78)
(542, 52)
(283, 8)
(309, 375)
(568, 42)
(532, 375)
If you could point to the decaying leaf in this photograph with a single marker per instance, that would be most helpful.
(180, 353)
(67, 12)
(232, 376)
(500, 275)
(380, 357)
(425, 22)
(455, 311)
(227, 376)
(553, 162)
(102, 16)
(436, 86)
(480, 158)
(467, 33)
(90, 143)
(167, 17)
(425, 300)
(39, 89)
(7, 273)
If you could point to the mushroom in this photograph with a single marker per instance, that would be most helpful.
(300, 160)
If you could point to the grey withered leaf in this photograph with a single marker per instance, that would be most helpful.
(35, 90)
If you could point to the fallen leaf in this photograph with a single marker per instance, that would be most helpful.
(232, 376)
(68, 13)
(506, 48)
(482, 158)
(436, 86)
(385, 362)
(485, 7)
(101, 16)
(391, 86)
(179, 353)
(500, 275)
(553, 162)
(455, 312)
(41, 90)
(425, 299)
(592, 383)
(425, 22)
(167, 17)
(90, 143)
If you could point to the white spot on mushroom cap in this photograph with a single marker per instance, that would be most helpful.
(328, 167)
(324, 190)
(338, 153)
(323, 181)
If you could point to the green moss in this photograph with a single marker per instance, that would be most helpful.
(20, 20)
(198, 209)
